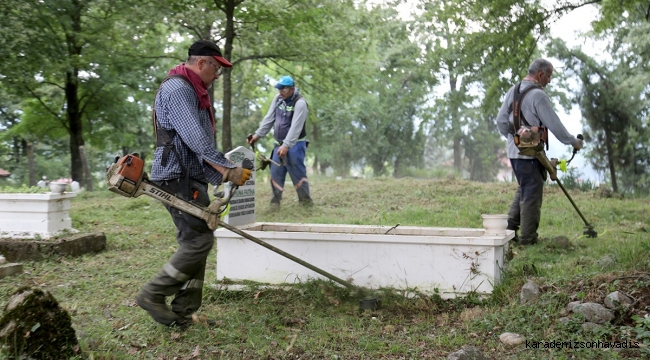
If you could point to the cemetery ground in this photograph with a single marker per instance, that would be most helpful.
(321, 320)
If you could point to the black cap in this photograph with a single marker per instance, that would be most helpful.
(208, 48)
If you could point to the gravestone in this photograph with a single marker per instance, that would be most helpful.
(242, 204)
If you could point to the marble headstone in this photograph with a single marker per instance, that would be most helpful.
(242, 204)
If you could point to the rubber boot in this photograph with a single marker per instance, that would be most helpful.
(303, 195)
(277, 198)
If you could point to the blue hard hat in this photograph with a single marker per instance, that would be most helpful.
(284, 82)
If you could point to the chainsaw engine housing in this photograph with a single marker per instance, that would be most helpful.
(124, 176)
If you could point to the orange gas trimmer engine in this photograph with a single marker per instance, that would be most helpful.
(125, 175)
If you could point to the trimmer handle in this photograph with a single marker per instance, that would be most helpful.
(247, 164)
(249, 137)
(575, 151)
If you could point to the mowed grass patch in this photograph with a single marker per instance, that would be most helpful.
(321, 320)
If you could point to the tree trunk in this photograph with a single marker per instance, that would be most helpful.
(457, 150)
(226, 137)
(76, 128)
(72, 95)
(87, 177)
(30, 164)
(610, 160)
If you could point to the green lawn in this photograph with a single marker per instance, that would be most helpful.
(320, 320)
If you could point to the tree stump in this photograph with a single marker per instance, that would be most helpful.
(36, 327)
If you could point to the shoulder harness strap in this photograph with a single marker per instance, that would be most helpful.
(164, 137)
(517, 115)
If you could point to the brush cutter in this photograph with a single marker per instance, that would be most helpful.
(550, 166)
(127, 178)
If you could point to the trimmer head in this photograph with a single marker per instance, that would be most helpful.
(369, 303)
(590, 232)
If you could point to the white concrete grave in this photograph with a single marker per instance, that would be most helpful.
(35, 215)
(242, 204)
(447, 261)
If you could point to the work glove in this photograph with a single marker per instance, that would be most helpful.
(579, 143)
(237, 176)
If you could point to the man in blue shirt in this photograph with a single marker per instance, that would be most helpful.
(185, 161)
(287, 115)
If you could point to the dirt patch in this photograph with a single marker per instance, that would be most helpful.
(73, 245)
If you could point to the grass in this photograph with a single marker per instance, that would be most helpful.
(319, 320)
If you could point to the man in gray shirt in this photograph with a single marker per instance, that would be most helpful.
(286, 116)
(537, 110)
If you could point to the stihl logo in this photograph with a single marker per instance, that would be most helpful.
(160, 194)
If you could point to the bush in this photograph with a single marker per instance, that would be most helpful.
(572, 179)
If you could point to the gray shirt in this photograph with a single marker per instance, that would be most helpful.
(538, 111)
(300, 113)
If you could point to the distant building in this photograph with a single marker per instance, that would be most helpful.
(4, 173)
(505, 170)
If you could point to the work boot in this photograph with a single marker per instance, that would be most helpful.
(529, 241)
(156, 307)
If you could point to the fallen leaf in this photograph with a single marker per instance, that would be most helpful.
(196, 352)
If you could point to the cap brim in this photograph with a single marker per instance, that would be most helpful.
(222, 61)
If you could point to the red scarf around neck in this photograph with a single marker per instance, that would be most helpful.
(199, 87)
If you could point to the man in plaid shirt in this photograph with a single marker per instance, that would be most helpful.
(185, 162)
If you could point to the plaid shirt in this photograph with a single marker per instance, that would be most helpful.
(177, 108)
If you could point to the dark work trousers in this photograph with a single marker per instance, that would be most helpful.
(295, 165)
(184, 273)
(526, 208)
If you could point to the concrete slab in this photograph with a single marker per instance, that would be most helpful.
(10, 269)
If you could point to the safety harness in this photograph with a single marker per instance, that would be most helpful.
(164, 139)
(518, 117)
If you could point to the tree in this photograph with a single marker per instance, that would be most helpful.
(75, 57)
(613, 117)
(479, 48)
(279, 32)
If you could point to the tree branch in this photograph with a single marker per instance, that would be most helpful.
(47, 108)
(570, 7)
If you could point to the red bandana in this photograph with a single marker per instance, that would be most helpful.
(199, 87)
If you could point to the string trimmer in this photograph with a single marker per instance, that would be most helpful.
(550, 166)
(127, 178)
